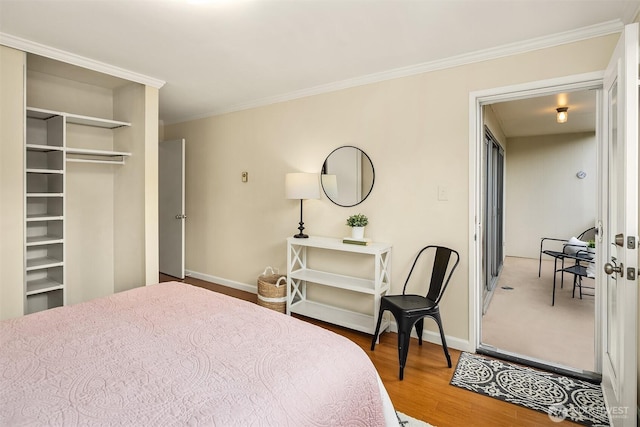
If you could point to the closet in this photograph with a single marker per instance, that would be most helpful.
(90, 186)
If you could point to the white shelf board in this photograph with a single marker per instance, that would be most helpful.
(102, 153)
(44, 194)
(42, 263)
(34, 170)
(44, 217)
(43, 114)
(41, 147)
(103, 162)
(337, 245)
(356, 284)
(337, 316)
(77, 119)
(40, 286)
(44, 240)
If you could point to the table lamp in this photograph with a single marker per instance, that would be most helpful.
(302, 186)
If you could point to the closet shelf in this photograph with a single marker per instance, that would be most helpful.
(40, 147)
(42, 263)
(34, 170)
(103, 153)
(42, 114)
(44, 217)
(40, 286)
(96, 156)
(44, 240)
(44, 195)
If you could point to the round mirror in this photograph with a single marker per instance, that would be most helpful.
(347, 176)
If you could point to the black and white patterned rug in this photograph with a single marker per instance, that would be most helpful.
(560, 397)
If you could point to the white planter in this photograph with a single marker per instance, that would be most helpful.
(357, 232)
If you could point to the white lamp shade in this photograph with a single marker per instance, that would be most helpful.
(302, 186)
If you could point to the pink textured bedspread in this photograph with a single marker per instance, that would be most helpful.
(173, 354)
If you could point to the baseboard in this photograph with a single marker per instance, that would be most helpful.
(224, 282)
(429, 336)
(434, 337)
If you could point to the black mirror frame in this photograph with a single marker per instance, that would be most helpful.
(373, 175)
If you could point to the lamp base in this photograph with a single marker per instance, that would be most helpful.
(301, 235)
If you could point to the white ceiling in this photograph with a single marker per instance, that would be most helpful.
(537, 116)
(224, 55)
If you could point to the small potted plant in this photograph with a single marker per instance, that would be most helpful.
(357, 223)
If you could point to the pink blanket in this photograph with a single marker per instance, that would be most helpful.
(175, 354)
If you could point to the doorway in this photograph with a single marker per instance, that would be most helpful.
(511, 219)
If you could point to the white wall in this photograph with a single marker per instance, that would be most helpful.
(544, 197)
(12, 63)
(415, 129)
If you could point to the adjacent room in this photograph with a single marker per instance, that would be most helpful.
(274, 212)
(547, 197)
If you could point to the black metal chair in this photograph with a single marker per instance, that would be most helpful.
(586, 235)
(409, 310)
(579, 270)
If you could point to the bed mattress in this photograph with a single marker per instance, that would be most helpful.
(174, 354)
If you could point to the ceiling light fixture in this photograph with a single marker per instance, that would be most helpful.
(562, 114)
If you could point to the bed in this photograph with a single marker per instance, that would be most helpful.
(173, 354)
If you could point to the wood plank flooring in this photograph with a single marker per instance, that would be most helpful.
(425, 392)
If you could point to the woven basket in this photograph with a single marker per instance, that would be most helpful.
(272, 291)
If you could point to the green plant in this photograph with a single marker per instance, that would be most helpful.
(591, 244)
(358, 220)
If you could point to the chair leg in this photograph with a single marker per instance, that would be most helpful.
(540, 261)
(553, 293)
(580, 285)
(419, 328)
(404, 338)
(436, 317)
(375, 334)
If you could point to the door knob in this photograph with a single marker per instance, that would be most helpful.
(610, 269)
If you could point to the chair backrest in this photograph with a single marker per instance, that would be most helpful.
(588, 234)
(441, 271)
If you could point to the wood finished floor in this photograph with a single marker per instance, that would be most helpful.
(425, 392)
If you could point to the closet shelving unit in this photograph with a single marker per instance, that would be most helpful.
(45, 169)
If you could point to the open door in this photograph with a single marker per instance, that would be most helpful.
(618, 226)
(171, 207)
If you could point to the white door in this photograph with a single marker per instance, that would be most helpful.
(619, 230)
(171, 207)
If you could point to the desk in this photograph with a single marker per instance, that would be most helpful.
(577, 270)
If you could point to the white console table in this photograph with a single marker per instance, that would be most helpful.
(298, 275)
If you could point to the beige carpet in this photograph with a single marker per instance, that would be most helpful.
(523, 321)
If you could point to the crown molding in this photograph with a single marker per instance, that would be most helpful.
(70, 58)
(598, 30)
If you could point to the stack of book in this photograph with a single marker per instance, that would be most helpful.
(353, 241)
